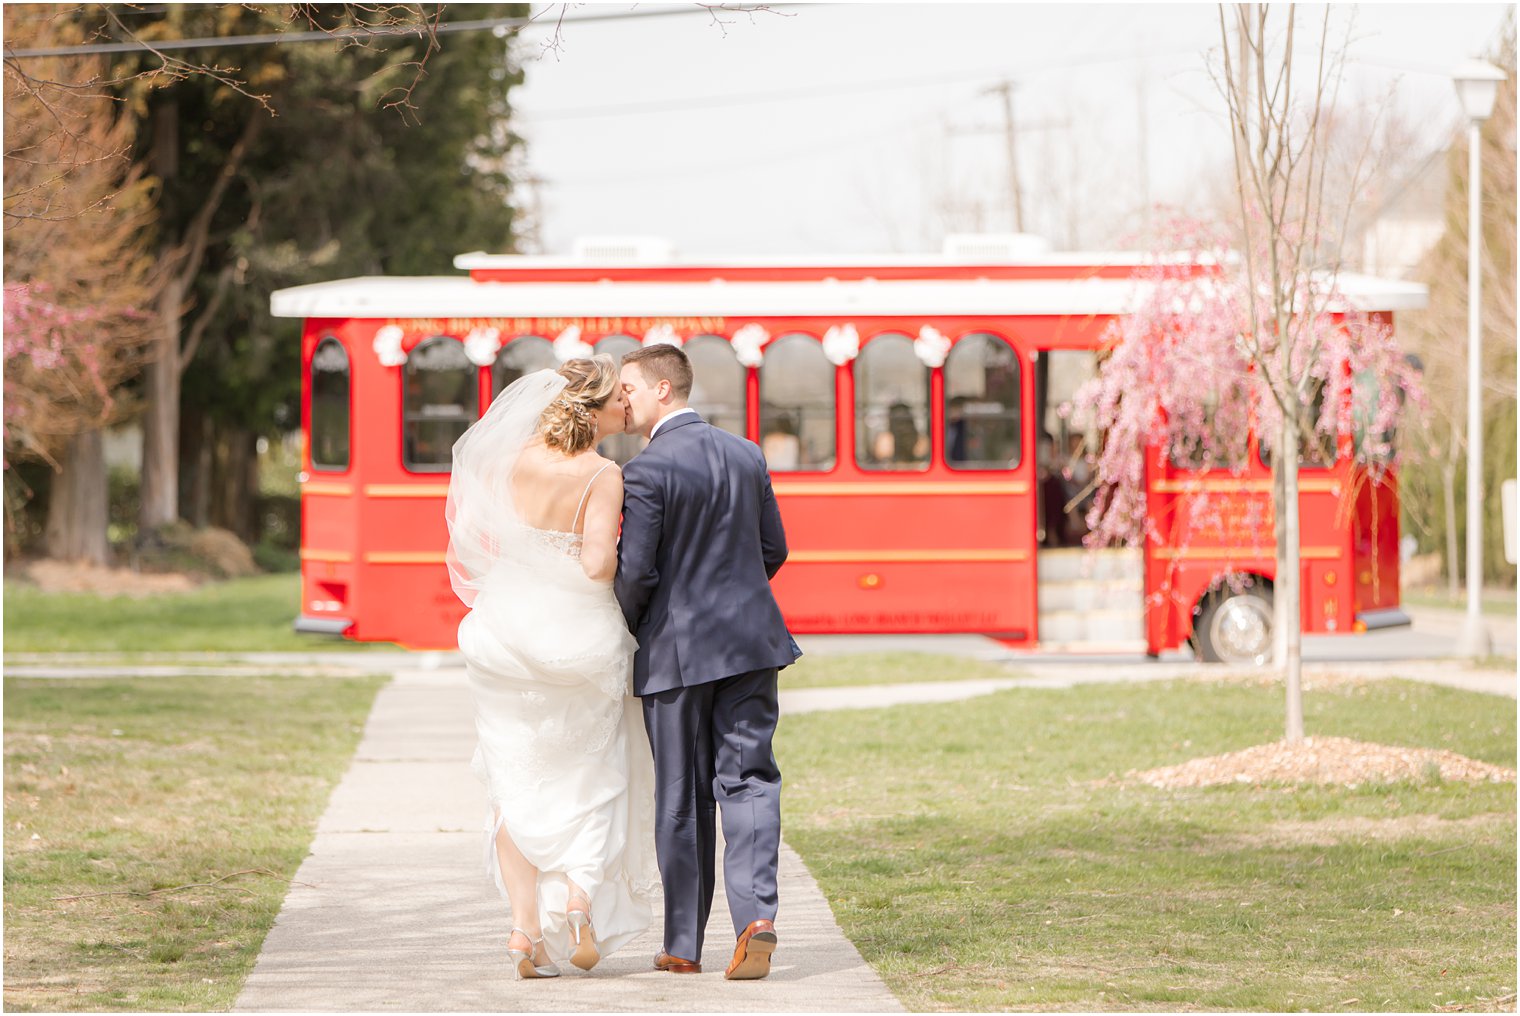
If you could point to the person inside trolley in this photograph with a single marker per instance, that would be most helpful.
(781, 445)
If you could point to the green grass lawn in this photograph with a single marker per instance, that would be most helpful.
(152, 783)
(988, 855)
(815, 671)
(1494, 602)
(240, 615)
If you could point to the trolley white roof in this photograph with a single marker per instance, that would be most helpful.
(442, 296)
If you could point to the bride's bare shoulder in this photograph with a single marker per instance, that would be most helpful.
(594, 462)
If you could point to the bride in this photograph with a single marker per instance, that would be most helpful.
(533, 514)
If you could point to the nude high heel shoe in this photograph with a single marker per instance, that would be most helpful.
(586, 953)
(522, 962)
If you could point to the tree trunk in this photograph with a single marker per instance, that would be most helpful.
(253, 525)
(1279, 538)
(236, 484)
(195, 468)
(78, 508)
(240, 455)
(160, 481)
(160, 475)
(1287, 590)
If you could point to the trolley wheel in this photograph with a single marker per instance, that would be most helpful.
(1235, 626)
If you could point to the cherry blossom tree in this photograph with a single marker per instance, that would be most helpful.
(77, 276)
(1244, 326)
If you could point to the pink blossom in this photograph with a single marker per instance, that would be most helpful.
(1180, 377)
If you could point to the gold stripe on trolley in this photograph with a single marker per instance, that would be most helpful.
(903, 556)
(907, 488)
(402, 557)
(1249, 553)
(1305, 486)
(333, 556)
(336, 489)
(406, 490)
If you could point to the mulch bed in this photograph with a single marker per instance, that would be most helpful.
(1323, 760)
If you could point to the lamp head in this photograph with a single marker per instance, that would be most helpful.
(1477, 87)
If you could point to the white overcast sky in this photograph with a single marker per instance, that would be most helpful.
(868, 127)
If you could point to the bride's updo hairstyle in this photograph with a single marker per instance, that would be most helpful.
(569, 424)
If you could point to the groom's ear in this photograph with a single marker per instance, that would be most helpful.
(662, 389)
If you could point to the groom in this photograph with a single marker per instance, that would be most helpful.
(701, 540)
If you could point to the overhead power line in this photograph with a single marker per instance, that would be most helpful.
(379, 31)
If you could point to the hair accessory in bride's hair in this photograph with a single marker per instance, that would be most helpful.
(578, 408)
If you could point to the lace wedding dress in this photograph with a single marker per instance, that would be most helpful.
(562, 749)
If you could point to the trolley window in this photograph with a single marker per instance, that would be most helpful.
(983, 405)
(717, 384)
(523, 355)
(1212, 441)
(891, 405)
(440, 399)
(797, 425)
(619, 447)
(329, 406)
(1316, 450)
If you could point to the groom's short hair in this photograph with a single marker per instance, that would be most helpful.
(663, 363)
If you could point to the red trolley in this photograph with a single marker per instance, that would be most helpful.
(907, 407)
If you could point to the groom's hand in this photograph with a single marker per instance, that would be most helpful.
(643, 516)
(772, 533)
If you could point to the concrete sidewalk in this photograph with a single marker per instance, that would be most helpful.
(393, 911)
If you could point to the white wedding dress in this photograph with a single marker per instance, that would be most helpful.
(562, 749)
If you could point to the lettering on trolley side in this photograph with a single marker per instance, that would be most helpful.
(555, 325)
(1238, 521)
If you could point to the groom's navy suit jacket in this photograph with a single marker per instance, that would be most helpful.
(701, 539)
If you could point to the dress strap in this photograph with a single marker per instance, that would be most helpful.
(575, 522)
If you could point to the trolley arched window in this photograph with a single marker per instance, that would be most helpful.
(619, 447)
(1317, 450)
(983, 407)
(440, 399)
(523, 355)
(797, 405)
(717, 383)
(329, 406)
(891, 405)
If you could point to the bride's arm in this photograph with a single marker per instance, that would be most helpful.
(604, 510)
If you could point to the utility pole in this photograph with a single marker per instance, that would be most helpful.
(1007, 129)
(1005, 89)
(529, 225)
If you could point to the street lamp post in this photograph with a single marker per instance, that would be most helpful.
(1477, 86)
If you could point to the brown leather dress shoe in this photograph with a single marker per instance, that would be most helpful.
(675, 965)
(752, 954)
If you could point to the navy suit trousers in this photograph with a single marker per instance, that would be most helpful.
(712, 754)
